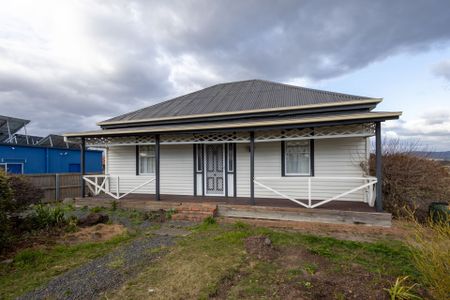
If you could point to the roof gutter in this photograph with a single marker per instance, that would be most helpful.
(262, 125)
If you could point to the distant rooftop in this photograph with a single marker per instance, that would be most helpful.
(9, 134)
(9, 126)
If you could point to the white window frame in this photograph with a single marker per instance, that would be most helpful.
(309, 173)
(6, 167)
(139, 158)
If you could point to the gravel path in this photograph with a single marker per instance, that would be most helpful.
(105, 273)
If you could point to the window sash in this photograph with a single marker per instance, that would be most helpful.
(199, 159)
(146, 159)
(231, 158)
(297, 158)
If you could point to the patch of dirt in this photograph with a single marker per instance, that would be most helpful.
(318, 278)
(304, 275)
(99, 232)
(260, 247)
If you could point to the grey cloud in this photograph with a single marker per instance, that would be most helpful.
(442, 69)
(145, 42)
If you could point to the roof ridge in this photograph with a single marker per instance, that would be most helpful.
(313, 89)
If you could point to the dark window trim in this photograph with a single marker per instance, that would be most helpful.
(203, 170)
(138, 171)
(235, 171)
(226, 169)
(137, 160)
(194, 149)
(311, 160)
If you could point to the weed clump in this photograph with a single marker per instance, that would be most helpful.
(430, 248)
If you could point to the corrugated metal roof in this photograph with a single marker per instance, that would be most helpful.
(240, 124)
(235, 97)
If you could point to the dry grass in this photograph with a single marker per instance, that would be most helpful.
(430, 247)
(191, 271)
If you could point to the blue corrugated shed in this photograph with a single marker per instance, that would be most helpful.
(29, 159)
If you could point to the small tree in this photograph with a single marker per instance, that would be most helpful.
(24, 192)
(410, 181)
(16, 194)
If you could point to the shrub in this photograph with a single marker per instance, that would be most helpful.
(45, 216)
(5, 207)
(24, 192)
(430, 248)
(410, 181)
(6, 193)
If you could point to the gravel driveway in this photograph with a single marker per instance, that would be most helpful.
(103, 274)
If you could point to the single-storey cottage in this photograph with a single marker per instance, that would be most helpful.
(244, 141)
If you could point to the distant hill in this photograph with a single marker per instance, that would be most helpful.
(439, 155)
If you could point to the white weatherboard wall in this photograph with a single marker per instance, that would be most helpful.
(176, 170)
(339, 157)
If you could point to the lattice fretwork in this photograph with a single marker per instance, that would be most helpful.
(125, 140)
(224, 137)
(319, 132)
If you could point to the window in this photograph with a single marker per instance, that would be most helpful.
(230, 158)
(297, 158)
(12, 168)
(146, 159)
(199, 158)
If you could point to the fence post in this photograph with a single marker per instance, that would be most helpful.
(57, 187)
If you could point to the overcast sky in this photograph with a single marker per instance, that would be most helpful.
(65, 65)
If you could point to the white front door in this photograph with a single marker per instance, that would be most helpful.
(214, 169)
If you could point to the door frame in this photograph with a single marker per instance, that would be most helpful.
(224, 165)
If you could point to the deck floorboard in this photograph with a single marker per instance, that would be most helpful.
(266, 202)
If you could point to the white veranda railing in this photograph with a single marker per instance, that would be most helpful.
(101, 183)
(368, 185)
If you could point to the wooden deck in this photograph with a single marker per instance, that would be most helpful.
(266, 202)
(339, 212)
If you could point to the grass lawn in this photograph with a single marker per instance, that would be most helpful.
(217, 262)
(34, 267)
(228, 261)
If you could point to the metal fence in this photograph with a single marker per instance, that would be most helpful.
(57, 186)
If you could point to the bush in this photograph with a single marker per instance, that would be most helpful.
(45, 216)
(6, 193)
(24, 192)
(410, 181)
(5, 206)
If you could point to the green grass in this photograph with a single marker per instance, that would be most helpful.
(385, 257)
(198, 265)
(33, 267)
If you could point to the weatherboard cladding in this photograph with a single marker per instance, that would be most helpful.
(237, 96)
